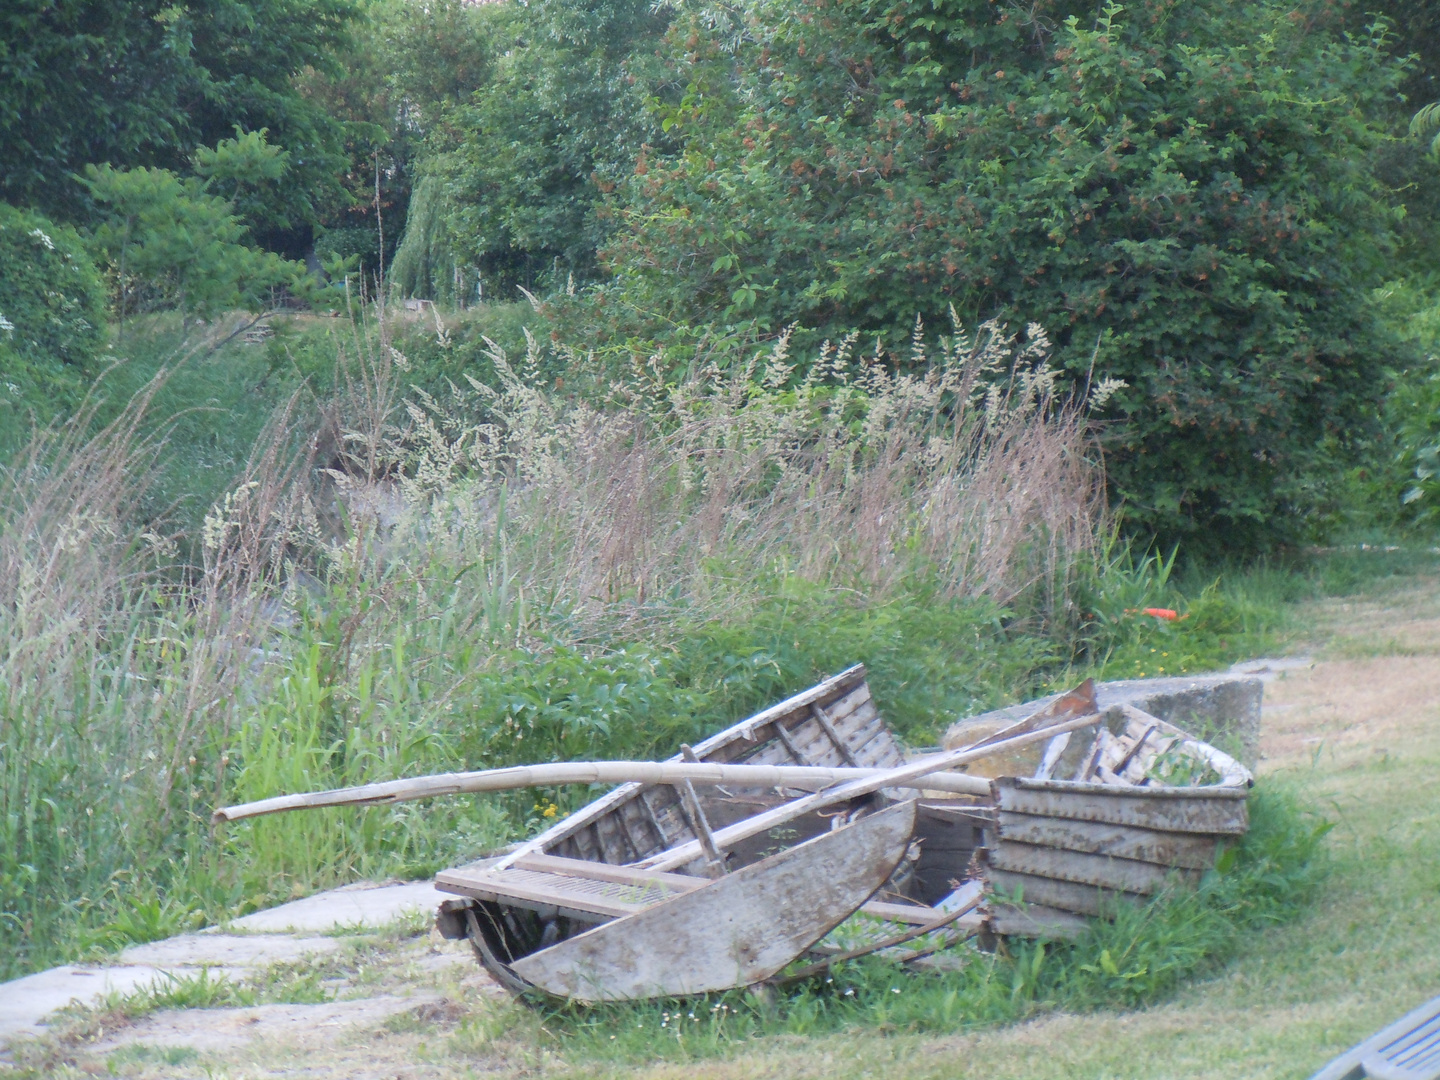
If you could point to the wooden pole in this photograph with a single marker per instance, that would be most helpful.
(1054, 719)
(917, 774)
(799, 777)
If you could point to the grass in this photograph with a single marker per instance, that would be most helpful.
(317, 643)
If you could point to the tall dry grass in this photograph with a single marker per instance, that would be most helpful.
(965, 467)
(400, 583)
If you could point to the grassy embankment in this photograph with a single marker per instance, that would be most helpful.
(297, 583)
(1314, 957)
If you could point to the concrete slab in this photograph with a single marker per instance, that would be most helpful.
(26, 1002)
(220, 1030)
(362, 905)
(228, 950)
(1268, 669)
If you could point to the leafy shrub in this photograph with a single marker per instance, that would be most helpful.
(1181, 192)
(52, 315)
(182, 240)
(1415, 411)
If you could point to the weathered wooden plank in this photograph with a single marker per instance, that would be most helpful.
(1048, 892)
(1035, 920)
(1375, 1056)
(874, 745)
(1187, 810)
(737, 930)
(1191, 850)
(841, 709)
(782, 733)
(1123, 875)
(917, 914)
(610, 899)
(622, 875)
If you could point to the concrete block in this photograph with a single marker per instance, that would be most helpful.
(354, 906)
(227, 950)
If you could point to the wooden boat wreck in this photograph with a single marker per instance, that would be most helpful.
(725, 865)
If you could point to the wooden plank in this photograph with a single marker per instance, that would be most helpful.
(1048, 892)
(1191, 850)
(621, 875)
(737, 930)
(786, 741)
(1350, 1065)
(916, 914)
(546, 890)
(874, 744)
(1035, 920)
(643, 797)
(841, 710)
(826, 726)
(1187, 810)
(1123, 875)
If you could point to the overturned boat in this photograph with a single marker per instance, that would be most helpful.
(729, 863)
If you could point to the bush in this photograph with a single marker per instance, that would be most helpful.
(1182, 193)
(52, 316)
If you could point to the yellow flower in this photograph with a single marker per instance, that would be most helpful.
(551, 810)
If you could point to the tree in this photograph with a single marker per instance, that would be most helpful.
(1182, 194)
(411, 63)
(527, 161)
(182, 240)
(52, 319)
(144, 82)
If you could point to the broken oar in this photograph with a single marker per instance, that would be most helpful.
(797, 777)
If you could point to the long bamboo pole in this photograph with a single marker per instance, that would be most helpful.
(913, 774)
(798, 777)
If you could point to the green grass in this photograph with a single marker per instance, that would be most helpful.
(121, 738)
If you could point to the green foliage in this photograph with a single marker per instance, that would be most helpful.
(1199, 625)
(1415, 407)
(558, 124)
(410, 64)
(137, 83)
(426, 263)
(1180, 193)
(53, 325)
(184, 245)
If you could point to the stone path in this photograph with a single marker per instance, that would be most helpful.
(284, 934)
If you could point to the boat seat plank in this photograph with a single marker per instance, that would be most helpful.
(622, 875)
(613, 899)
(601, 889)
